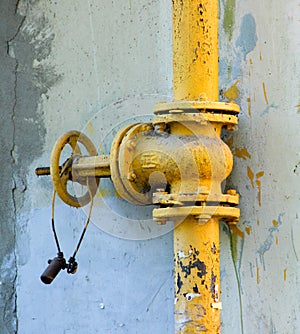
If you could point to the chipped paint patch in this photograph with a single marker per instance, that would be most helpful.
(183, 255)
(191, 296)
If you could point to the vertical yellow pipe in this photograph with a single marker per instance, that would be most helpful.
(195, 49)
(196, 245)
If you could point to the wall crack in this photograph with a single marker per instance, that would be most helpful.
(10, 53)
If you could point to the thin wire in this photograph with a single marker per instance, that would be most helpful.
(86, 223)
(53, 225)
(87, 220)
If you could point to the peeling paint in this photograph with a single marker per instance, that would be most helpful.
(191, 296)
(182, 255)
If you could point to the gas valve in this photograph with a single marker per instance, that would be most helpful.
(177, 162)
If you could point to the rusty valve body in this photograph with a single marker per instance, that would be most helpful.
(178, 153)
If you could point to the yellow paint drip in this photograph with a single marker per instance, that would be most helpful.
(249, 107)
(275, 223)
(250, 175)
(237, 231)
(257, 276)
(276, 240)
(248, 230)
(242, 153)
(258, 183)
(265, 93)
(284, 274)
(260, 174)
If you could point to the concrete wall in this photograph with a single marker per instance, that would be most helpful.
(95, 66)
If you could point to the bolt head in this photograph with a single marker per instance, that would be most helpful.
(131, 176)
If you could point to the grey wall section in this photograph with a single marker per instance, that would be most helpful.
(22, 137)
(8, 269)
(95, 66)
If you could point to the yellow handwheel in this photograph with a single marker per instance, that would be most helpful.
(61, 175)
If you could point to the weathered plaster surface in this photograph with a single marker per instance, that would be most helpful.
(261, 66)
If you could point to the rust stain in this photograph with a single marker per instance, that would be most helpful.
(250, 175)
(284, 274)
(265, 93)
(276, 240)
(258, 222)
(251, 62)
(260, 56)
(242, 153)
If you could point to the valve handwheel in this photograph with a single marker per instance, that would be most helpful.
(62, 174)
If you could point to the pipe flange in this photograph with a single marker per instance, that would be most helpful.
(204, 197)
(193, 106)
(227, 213)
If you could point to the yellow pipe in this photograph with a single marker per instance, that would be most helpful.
(196, 245)
(195, 49)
